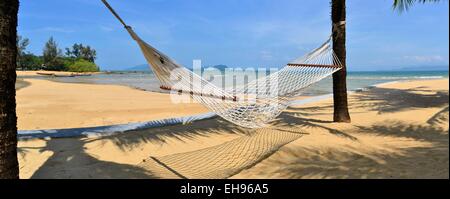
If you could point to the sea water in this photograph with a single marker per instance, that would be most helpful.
(355, 80)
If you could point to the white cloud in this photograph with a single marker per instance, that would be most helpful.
(266, 55)
(424, 58)
(55, 29)
(106, 28)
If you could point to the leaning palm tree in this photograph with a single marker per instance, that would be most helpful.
(402, 5)
(9, 167)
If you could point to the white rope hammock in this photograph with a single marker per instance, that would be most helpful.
(252, 105)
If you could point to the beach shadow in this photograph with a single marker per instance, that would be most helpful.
(180, 132)
(21, 84)
(229, 158)
(302, 118)
(386, 100)
(428, 133)
(440, 118)
(353, 162)
(70, 161)
(312, 110)
(219, 161)
(224, 160)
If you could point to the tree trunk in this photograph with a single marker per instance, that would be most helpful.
(339, 78)
(9, 167)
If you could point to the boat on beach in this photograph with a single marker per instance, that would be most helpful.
(62, 75)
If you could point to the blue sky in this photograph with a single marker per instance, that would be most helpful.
(243, 33)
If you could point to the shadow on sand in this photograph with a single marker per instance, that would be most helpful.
(223, 160)
(69, 159)
(229, 158)
(386, 100)
(21, 84)
(74, 162)
(352, 161)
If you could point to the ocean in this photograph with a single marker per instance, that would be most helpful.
(355, 80)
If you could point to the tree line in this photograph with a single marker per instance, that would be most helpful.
(78, 58)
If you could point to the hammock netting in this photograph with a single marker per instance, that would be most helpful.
(251, 105)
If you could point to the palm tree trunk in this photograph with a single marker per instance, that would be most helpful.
(9, 167)
(339, 78)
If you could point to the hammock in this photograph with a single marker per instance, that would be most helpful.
(252, 105)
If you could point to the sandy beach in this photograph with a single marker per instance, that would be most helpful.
(398, 130)
(44, 104)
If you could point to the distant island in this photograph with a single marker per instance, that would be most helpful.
(142, 67)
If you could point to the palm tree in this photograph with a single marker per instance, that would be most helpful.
(9, 167)
(402, 5)
(341, 113)
(339, 78)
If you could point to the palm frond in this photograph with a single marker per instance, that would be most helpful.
(404, 5)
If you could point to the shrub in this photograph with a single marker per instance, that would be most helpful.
(82, 65)
(57, 64)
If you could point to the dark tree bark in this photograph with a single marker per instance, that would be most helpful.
(340, 77)
(9, 167)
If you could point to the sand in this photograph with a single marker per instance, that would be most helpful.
(398, 130)
(44, 104)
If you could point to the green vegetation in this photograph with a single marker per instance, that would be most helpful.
(82, 65)
(29, 61)
(53, 56)
(402, 5)
(84, 52)
(78, 58)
